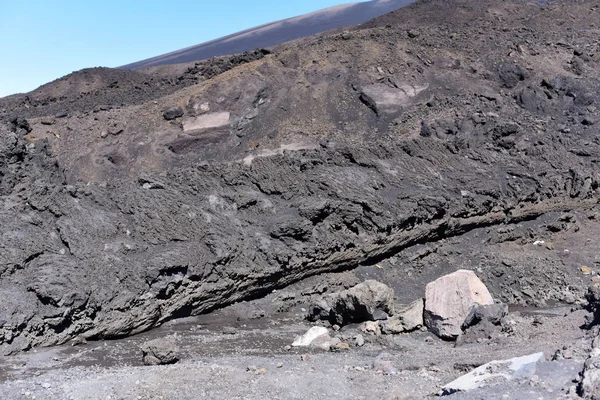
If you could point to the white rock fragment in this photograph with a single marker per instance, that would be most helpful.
(206, 121)
(310, 336)
(494, 372)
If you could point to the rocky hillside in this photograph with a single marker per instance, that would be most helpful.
(444, 135)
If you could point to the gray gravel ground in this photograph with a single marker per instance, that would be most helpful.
(254, 364)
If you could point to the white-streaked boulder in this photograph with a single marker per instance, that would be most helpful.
(449, 299)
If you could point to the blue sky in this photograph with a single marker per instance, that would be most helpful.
(45, 39)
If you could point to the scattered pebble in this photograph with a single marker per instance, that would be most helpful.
(229, 330)
(342, 346)
(586, 270)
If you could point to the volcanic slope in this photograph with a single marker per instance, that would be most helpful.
(277, 32)
(335, 151)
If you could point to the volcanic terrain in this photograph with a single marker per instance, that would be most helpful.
(445, 135)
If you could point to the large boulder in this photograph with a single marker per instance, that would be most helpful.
(449, 299)
(160, 352)
(367, 301)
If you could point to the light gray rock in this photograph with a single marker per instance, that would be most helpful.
(412, 315)
(406, 319)
(495, 372)
(160, 352)
(325, 342)
(310, 336)
(449, 299)
(359, 341)
(206, 121)
(370, 328)
(392, 326)
(390, 98)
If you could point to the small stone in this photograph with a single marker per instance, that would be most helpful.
(304, 357)
(287, 348)
(428, 339)
(359, 341)
(586, 270)
(251, 368)
(413, 33)
(115, 130)
(280, 365)
(172, 113)
(78, 341)
(371, 327)
(48, 121)
(229, 330)
(569, 298)
(104, 134)
(342, 346)
(383, 364)
(260, 371)
(588, 121)
(310, 336)
(335, 327)
(392, 326)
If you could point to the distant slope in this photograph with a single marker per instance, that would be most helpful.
(277, 32)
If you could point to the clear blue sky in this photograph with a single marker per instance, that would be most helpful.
(42, 40)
